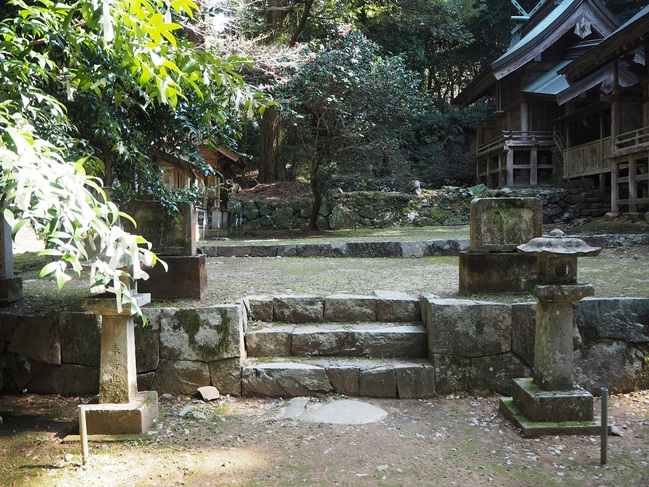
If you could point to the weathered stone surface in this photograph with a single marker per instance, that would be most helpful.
(397, 309)
(185, 277)
(541, 405)
(616, 318)
(263, 251)
(452, 374)
(616, 365)
(468, 328)
(344, 378)
(270, 341)
(147, 345)
(415, 382)
(386, 341)
(37, 337)
(284, 380)
(80, 335)
(180, 376)
(298, 309)
(412, 249)
(16, 374)
(500, 224)
(134, 418)
(442, 248)
(378, 382)
(204, 334)
(523, 329)
(374, 249)
(208, 393)
(259, 308)
(145, 381)
(502, 272)
(494, 373)
(350, 308)
(66, 379)
(170, 235)
(318, 340)
(226, 376)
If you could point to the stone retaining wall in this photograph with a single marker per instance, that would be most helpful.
(375, 209)
(475, 346)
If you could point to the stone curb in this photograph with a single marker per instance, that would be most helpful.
(406, 249)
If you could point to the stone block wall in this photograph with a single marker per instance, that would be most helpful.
(178, 351)
(377, 209)
(479, 346)
(474, 346)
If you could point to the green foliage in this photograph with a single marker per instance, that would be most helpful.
(349, 105)
(89, 83)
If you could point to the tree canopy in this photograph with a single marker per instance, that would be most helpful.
(92, 82)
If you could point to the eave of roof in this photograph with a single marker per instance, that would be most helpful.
(628, 36)
(540, 37)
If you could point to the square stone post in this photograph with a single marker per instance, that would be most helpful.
(121, 409)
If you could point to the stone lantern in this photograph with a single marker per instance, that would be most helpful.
(551, 396)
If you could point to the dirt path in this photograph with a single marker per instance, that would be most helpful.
(454, 440)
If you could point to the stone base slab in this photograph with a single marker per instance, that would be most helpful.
(558, 406)
(134, 418)
(11, 289)
(533, 429)
(185, 278)
(494, 272)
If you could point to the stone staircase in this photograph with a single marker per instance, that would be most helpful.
(374, 346)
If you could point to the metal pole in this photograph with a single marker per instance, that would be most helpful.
(83, 434)
(604, 444)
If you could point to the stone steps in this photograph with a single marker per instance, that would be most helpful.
(372, 346)
(377, 340)
(307, 376)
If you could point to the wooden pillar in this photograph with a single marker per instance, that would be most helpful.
(633, 185)
(510, 167)
(534, 164)
(615, 190)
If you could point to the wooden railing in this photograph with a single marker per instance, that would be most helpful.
(635, 139)
(587, 159)
(517, 138)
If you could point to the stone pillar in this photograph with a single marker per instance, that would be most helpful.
(11, 288)
(117, 372)
(121, 409)
(553, 342)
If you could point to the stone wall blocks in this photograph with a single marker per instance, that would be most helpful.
(350, 308)
(80, 335)
(616, 318)
(298, 309)
(180, 376)
(204, 334)
(468, 328)
(616, 365)
(225, 375)
(38, 338)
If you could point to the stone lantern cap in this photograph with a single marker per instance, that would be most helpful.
(557, 243)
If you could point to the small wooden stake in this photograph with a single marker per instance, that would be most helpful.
(83, 434)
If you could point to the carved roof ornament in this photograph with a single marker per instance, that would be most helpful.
(582, 28)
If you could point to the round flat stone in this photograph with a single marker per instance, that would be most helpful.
(345, 412)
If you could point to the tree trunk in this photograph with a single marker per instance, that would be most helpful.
(317, 195)
(271, 141)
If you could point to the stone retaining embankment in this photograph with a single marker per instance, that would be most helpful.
(376, 209)
(409, 249)
(474, 346)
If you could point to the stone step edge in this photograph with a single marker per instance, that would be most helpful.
(361, 363)
(269, 327)
(386, 378)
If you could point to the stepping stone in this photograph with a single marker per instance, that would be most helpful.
(345, 412)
